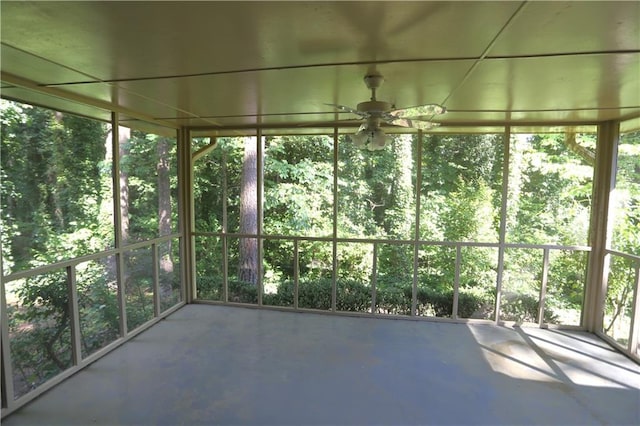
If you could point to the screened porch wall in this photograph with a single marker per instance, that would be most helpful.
(371, 265)
(517, 267)
(109, 195)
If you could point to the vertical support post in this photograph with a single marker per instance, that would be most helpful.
(72, 287)
(7, 367)
(155, 274)
(416, 232)
(503, 219)
(334, 275)
(634, 328)
(186, 215)
(374, 277)
(3, 337)
(122, 297)
(259, 192)
(543, 287)
(296, 272)
(600, 226)
(115, 171)
(225, 192)
(225, 268)
(117, 221)
(225, 226)
(456, 282)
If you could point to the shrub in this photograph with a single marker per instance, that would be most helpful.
(315, 294)
(355, 296)
(440, 303)
(523, 308)
(393, 300)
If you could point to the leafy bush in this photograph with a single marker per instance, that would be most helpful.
(523, 308)
(211, 288)
(352, 296)
(393, 300)
(39, 331)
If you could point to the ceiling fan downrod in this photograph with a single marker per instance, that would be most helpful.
(374, 107)
(373, 81)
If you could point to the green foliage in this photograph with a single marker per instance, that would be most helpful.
(524, 308)
(56, 203)
(298, 186)
(140, 161)
(550, 198)
(53, 185)
(440, 303)
(549, 192)
(39, 330)
(626, 238)
(352, 296)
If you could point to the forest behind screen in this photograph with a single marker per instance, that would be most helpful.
(395, 226)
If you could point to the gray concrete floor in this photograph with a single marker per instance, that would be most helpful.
(224, 365)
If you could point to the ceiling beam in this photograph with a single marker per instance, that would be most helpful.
(63, 94)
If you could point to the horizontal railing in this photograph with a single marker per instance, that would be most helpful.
(545, 249)
(391, 241)
(39, 270)
(69, 266)
(11, 282)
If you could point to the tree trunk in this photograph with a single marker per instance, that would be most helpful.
(402, 196)
(164, 189)
(248, 267)
(56, 187)
(164, 216)
(124, 135)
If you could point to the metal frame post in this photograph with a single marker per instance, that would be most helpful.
(543, 286)
(7, 367)
(155, 276)
(186, 215)
(117, 221)
(259, 196)
(503, 219)
(456, 282)
(334, 275)
(296, 272)
(416, 236)
(223, 239)
(634, 327)
(374, 277)
(604, 177)
(72, 289)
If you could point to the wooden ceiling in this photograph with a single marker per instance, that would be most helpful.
(242, 64)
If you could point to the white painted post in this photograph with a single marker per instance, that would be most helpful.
(600, 226)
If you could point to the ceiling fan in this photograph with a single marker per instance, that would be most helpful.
(369, 134)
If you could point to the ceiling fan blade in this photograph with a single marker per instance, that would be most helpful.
(416, 124)
(349, 109)
(418, 111)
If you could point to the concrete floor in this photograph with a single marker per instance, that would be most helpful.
(224, 365)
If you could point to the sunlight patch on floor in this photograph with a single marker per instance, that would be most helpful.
(513, 357)
(556, 358)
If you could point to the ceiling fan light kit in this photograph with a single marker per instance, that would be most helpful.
(369, 135)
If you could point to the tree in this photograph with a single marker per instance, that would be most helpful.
(248, 250)
(164, 215)
(124, 138)
(399, 210)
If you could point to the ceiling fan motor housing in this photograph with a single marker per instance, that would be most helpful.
(374, 106)
(373, 80)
